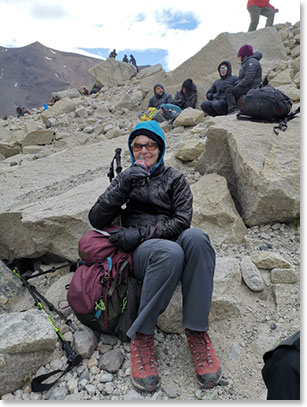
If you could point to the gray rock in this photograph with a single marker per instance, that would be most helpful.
(251, 275)
(111, 361)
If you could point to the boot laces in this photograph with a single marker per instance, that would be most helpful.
(144, 348)
(200, 347)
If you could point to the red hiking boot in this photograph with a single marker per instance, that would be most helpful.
(207, 366)
(144, 372)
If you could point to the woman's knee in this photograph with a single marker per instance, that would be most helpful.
(167, 252)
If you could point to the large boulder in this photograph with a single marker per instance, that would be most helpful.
(215, 212)
(225, 47)
(262, 169)
(27, 341)
(46, 209)
(111, 72)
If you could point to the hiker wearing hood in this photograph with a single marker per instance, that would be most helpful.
(250, 76)
(216, 104)
(165, 251)
(187, 95)
(159, 97)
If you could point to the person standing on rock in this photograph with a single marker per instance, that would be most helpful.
(257, 8)
(133, 62)
(165, 251)
(187, 95)
(125, 59)
(216, 104)
(250, 77)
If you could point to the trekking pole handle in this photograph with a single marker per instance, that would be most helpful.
(73, 357)
(118, 160)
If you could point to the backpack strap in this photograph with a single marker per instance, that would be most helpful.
(282, 125)
(37, 384)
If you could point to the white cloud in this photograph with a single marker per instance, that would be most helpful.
(100, 24)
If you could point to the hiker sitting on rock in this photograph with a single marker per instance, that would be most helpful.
(165, 251)
(125, 59)
(187, 95)
(21, 111)
(250, 76)
(216, 104)
(160, 97)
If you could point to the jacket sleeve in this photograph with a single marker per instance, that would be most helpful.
(250, 73)
(182, 202)
(178, 99)
(108, 205)
(169, 99)
(211, 92)
(151, 102)
(191, 102)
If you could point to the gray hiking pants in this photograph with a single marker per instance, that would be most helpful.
(255, 13)
(161, 264)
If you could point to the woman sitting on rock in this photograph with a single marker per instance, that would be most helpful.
(165, 251)
(187, 95)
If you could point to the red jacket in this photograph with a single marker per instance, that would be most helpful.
(260, 3)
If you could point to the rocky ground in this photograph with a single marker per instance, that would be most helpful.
(239, 344)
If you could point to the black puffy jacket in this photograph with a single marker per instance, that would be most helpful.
(185, 101)
(250, 75)
(217, 90)
(163, 205)
(157, 100)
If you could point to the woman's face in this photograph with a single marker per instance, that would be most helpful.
(150, 156)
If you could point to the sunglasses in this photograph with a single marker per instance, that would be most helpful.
(223, 69)
(149, 146)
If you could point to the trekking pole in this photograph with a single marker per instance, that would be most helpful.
(51, 270)
(36, 293)
(117, 159)
(73, 358)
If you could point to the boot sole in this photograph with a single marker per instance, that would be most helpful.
(210, 381)
(148, 388)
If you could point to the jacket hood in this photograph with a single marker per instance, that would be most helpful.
(156, 85)
(229, 72)
(150, 129)
(257, 55)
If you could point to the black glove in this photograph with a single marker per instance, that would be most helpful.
(127, 239)
(132, 176)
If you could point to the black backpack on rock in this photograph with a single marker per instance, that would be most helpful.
(267, 105)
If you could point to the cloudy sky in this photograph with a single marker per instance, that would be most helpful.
(162, 31)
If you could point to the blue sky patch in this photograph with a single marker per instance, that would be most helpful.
(178, 20)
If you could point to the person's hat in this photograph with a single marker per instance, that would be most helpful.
(245, 51)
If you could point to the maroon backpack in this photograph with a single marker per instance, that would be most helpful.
(98, 292)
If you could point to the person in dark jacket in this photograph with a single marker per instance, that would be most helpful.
(257, 8)
(250, 76)
(165, 251)
(133, 62)
(187, 95)
(281, 370)
(216, 104)
(159, 97)
(125, 59)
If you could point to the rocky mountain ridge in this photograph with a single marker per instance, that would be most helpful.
(28, 75)
(245, 182)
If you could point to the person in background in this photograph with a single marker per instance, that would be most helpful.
(250, 76)
(133, 62)
(257, 8)
(160, 96)
(125, 59)
(113, 54)
(187, 95)
(216, 104)
(281, 370)
(165, 251)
